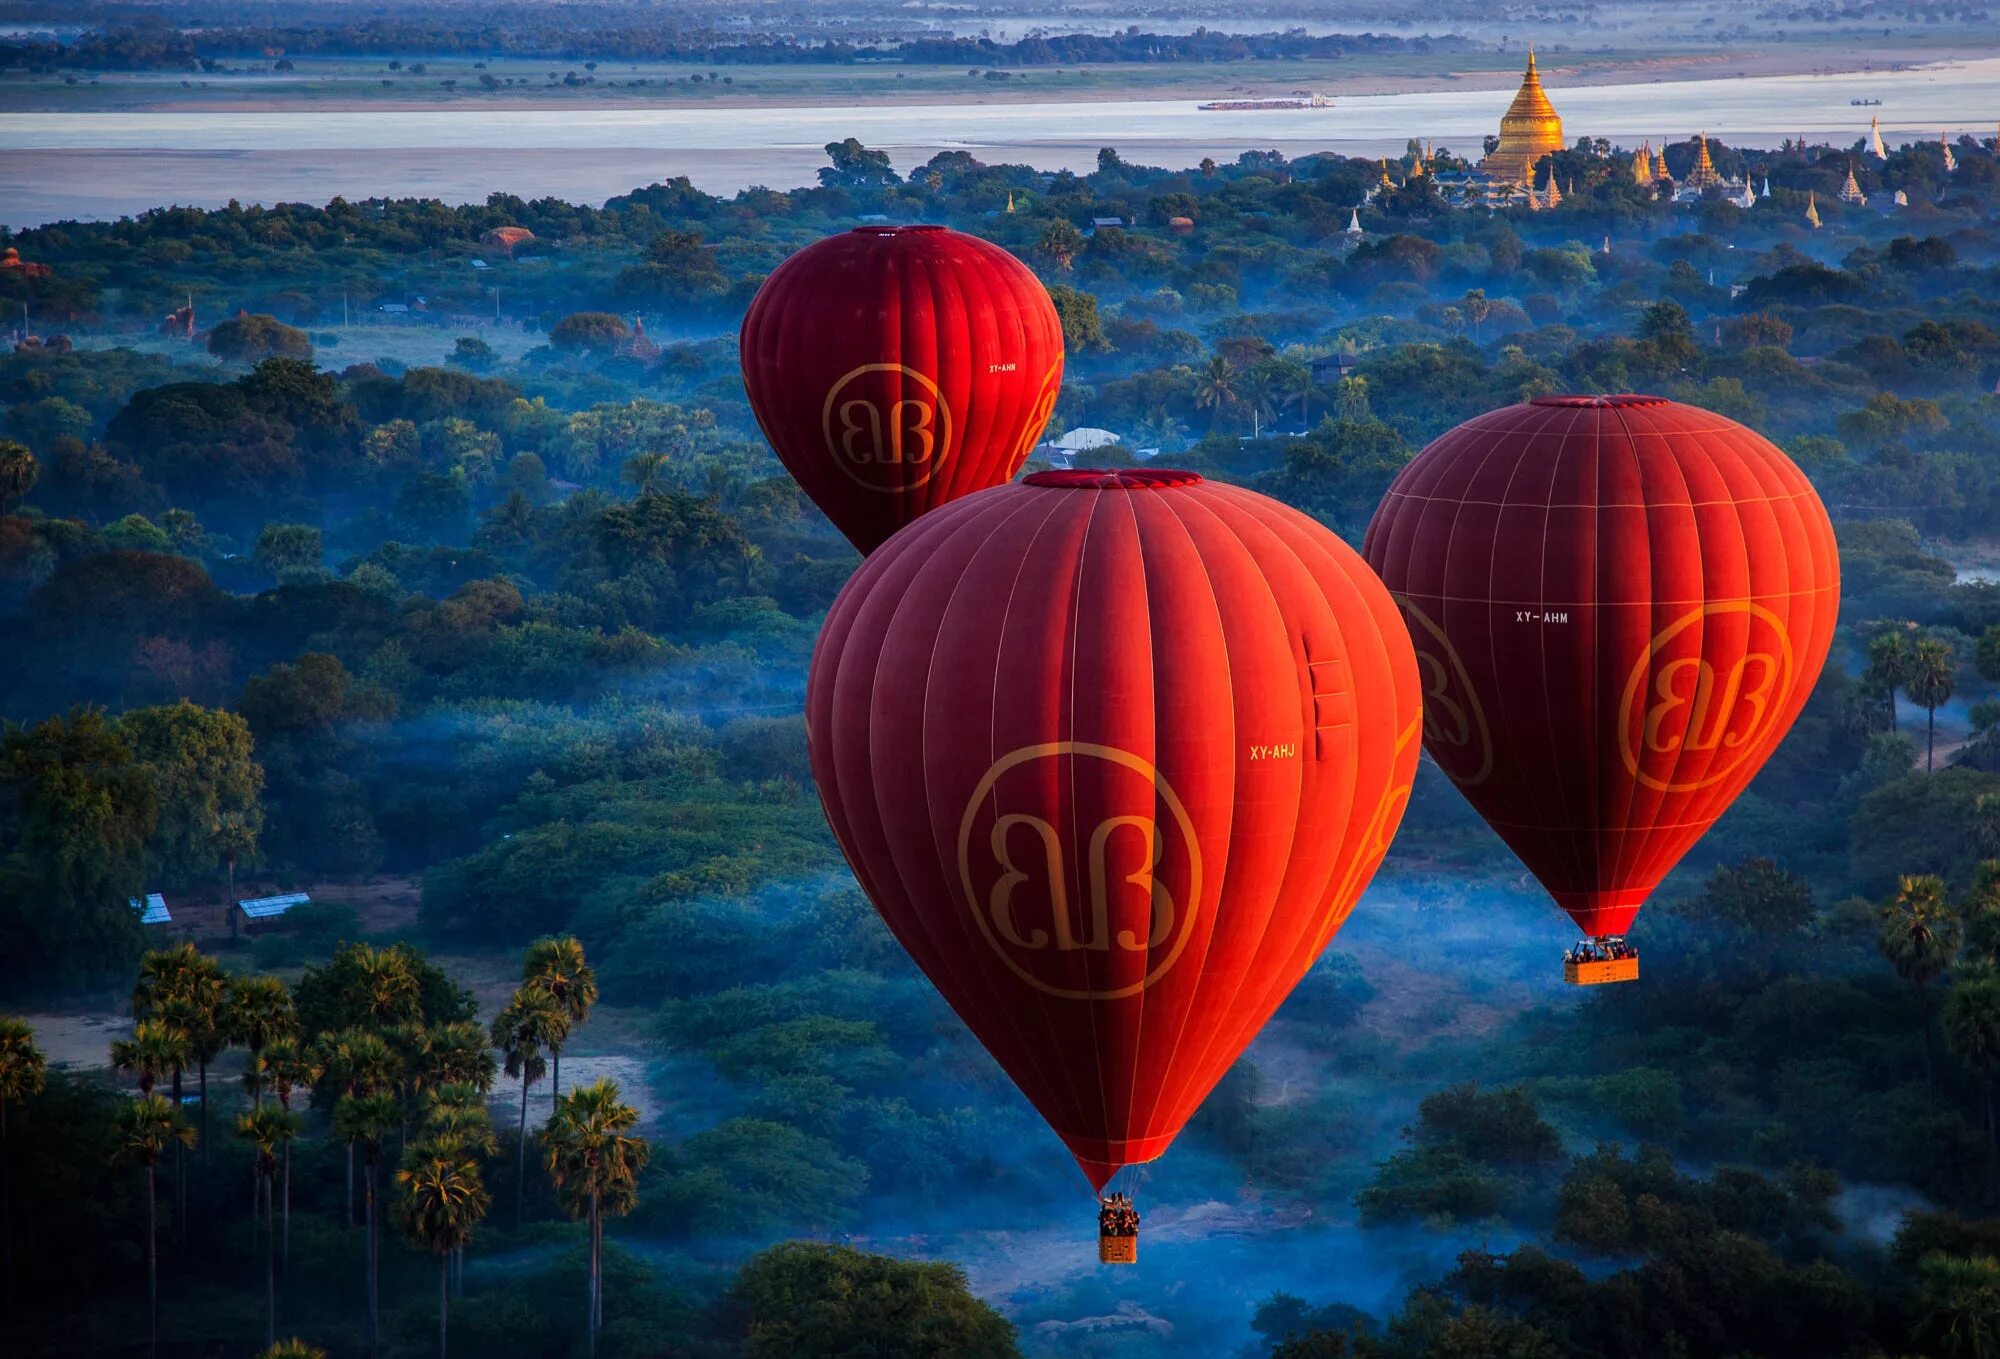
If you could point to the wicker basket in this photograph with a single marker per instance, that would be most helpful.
(1117, 1250)
(1597, 974)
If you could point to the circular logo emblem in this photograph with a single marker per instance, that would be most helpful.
(1455, 730)
(1680, 708)
(1079, 860)
(887, 426)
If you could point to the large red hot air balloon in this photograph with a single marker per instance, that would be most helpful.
(1619, 605)
(896, 368)
(1114, 753)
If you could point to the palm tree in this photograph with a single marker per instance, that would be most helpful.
(1960, 1306)
(365, 1120)
(458, 1123)
(145, 1128)
(360, 1063)
(155, 1049)
(1161, 430)
(289, 1066)
(531, 1024)
(412, 1045)
(460, 1055)
(1257, 389)
(188, 987)
(1971, 1020)
(1888, 666)
(647, 471)
(382, 985)
(1215, 388)
(1920, 937)
(556, 964)
(266, 1130)
(293, 1349)
(23, 1074)
(595, 1159)
(1476, 307)
(1297, 387)
(259, 1011)
(443, 1198)
(1932, 671)
(235, 838)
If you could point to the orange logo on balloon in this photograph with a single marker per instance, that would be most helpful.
(1376, 837)
(1455, 730)
(881, 437)
(1685, 707)
(1045, 406)
(1052, 908)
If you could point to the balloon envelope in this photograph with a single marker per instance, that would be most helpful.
(1619, 604)
(896, 368)
(1114, 754)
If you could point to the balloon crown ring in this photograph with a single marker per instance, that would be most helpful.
(1618, 400)
(1113, 479)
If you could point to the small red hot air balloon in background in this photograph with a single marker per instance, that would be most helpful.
(896, 368)
(1114, 753)
(1619, 605)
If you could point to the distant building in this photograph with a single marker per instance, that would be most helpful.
(263, 910)
(506, 239)
(1085, 439)
(1328, 369)
(12, 263)
(151, 911)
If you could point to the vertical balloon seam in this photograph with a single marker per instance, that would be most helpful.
(1705, 804)
(1631, 589)
(1636, 591)
(1570, 432)
(1723, 788)
(1521, 445)
(1594, 667)
(1003, 1009)
(1093, 502)
(1664, 806)
(1170, 1098)
(1271, 525)
(1325, 913)
(957, 314)
(1131, 503)
(1080, 507)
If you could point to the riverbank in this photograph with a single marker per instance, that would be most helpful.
(98, 165)
(523, 86)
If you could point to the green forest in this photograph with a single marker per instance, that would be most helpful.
(499, 656)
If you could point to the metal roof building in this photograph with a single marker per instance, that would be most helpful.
(153, 910)
(270, 908)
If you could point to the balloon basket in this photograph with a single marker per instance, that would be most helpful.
(1602, 973)
(1117, 1250)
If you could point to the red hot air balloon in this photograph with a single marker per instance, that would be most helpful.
(1619, 604)
(897, 368)
(1114, 753)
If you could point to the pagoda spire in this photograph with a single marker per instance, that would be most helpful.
(1875, 147)
(1812, 209)
(1950, 161)
(1354, 223)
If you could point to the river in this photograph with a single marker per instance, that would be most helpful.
(94, 165)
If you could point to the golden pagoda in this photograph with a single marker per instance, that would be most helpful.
(1529, 130)
(1703, 175)
(1642, 165)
